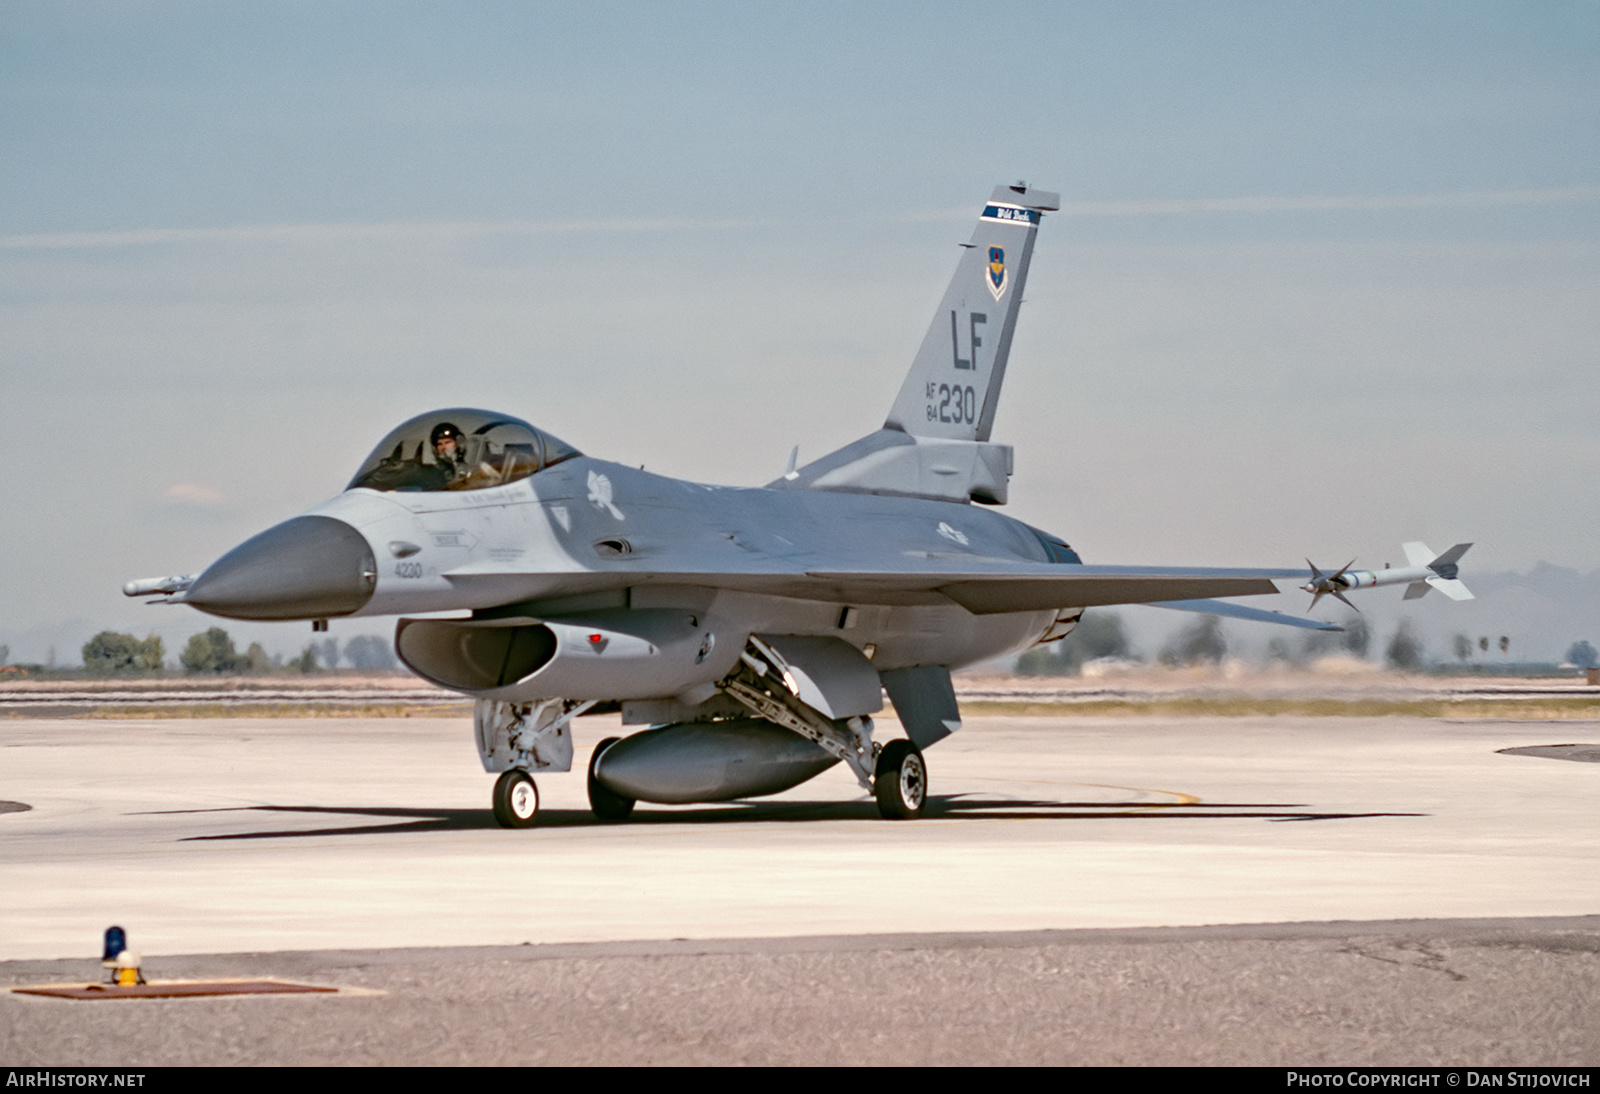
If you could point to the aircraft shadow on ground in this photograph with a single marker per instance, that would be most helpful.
(947, 807)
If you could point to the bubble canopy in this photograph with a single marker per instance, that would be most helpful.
(459, 449)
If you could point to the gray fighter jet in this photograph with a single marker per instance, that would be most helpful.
(754, 630)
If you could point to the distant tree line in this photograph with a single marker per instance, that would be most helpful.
(111, 654)
(366, 652)
(1101, 634)
(1405, 649)
(1461, 646)
(212, 652)
(1199, 643)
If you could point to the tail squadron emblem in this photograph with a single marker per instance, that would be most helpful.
(997, 271)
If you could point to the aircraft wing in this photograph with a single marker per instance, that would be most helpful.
(981, 589)
(1047, 586)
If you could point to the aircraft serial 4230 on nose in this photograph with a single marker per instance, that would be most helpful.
(753, 630)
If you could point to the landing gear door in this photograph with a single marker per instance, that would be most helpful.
(828, 674)
(925, 700)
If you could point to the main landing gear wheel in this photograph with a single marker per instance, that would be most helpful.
(607, 804)
(900, 782)
(516, 800)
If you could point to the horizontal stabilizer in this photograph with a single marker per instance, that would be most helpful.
(1240, 611)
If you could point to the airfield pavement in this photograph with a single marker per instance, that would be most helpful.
(1133, 889)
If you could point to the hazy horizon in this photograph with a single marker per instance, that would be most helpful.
(1324, 280)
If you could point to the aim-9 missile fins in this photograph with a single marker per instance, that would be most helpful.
(1424, 570)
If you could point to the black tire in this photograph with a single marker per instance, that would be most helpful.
(607, 804)
(516, 800)
(900, 781)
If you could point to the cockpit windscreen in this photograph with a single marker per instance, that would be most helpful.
(459, 449)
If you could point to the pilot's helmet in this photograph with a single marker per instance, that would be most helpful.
(443, 430)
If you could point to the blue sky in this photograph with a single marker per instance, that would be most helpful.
(1326, 279)
(212, 114)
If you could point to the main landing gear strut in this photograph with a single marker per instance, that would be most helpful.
(900, 785)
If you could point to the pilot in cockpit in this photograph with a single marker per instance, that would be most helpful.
(447, 453)
(459, 449)
(457, 470)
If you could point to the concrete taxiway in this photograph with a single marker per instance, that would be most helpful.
(237, 835)
(293, 834)
(1447, 993)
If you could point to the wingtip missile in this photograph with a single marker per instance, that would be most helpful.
(1427, 571)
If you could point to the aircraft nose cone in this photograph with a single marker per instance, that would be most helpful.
(305, 568)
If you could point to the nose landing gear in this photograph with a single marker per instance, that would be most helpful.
(516, 800)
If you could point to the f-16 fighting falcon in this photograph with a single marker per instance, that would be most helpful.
(752, 630)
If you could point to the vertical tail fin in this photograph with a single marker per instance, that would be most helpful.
(953, 388)
(935, 443)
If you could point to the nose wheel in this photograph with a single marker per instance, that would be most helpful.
(900, 781)
(516, 800)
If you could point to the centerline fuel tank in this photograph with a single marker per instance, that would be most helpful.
(709, 762)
